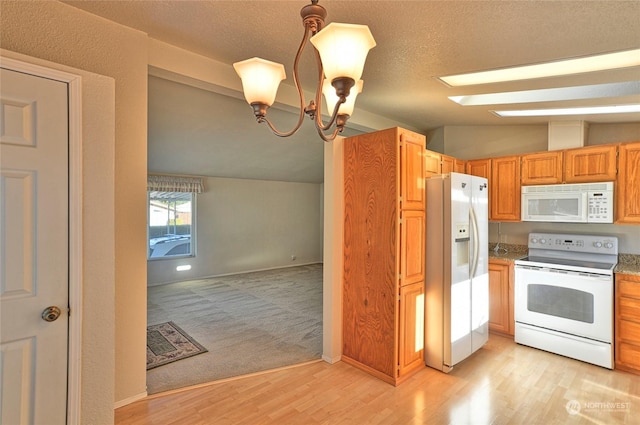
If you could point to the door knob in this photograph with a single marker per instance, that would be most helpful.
(51, 313)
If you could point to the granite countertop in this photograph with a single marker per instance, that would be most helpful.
(628, 264)
(508, 252)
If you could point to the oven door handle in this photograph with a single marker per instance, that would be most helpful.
(476, 242)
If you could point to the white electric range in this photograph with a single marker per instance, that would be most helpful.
(564, 296)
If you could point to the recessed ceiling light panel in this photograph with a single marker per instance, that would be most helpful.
(581, 65)
(592, 110)
(596, 91)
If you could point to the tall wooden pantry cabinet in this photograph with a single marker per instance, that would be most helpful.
(384, 246)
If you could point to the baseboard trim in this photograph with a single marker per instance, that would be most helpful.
(235, 273)
(233, 378)
(331, 360)
(130, 400)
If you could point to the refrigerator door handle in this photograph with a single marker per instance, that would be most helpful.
(476, 242)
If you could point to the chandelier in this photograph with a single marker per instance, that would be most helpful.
(340, 51)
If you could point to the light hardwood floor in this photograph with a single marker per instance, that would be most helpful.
(503, 383)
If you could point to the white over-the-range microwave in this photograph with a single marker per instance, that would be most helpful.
(568, 203)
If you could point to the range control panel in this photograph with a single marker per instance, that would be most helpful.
(579, 243)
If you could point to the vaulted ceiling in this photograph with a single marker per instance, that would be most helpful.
(417, 41)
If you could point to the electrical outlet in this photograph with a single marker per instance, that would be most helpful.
(293, 258)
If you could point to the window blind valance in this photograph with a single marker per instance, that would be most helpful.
(167, 183)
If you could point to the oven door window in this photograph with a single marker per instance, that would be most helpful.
(566, 302)
(560, 302)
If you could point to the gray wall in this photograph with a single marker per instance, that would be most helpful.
(470, 142)
(245, 225)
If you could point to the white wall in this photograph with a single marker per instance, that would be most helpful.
(333, 250)
(245, 225)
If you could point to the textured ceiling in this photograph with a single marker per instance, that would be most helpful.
(416, 42)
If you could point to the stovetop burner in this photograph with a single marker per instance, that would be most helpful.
(578, 253)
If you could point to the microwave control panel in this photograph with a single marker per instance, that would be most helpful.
(600, 207)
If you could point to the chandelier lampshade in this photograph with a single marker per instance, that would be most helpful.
(331, 98)
(260, 79)
(343, 49)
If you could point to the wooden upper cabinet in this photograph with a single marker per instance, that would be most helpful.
(479, 167)
(413, 170)
(542, 168)
(505, 189)
(503, 175)
(628, 188)
(451, 164)
(459, 166)
(432, 163)
(590, 164)
(447, 163)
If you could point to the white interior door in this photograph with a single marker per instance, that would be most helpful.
(34, 247)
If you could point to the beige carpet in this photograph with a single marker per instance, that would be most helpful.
(249, 322)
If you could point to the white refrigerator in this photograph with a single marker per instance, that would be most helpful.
(457, 269)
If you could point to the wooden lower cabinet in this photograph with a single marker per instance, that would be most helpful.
(627, 326)
(411, 333)
(501, 280)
